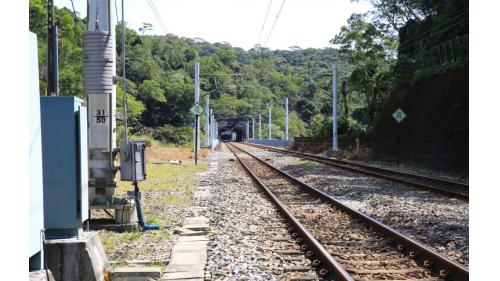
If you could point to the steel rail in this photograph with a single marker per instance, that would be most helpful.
(383, 173)
(424, 256)
(334, 269)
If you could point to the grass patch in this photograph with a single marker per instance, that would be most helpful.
(304, 163)
(110, 239)
(165, 177)
(166, 185)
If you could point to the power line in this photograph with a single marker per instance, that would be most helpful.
(275, 20)
(265, 20)
(157, 15)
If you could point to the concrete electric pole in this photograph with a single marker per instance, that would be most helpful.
(253, 128)
(335, 146)
(286, 118)
(260, 127)
(207, 121)
(270, 123)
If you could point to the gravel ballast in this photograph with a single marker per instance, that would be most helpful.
(436, 220)
(245, 225)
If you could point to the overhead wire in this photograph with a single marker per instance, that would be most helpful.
(265, 20)
(275, 20)
(163, 26)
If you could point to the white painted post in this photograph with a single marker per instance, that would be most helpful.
(197, 99)
(260, 127)
(286, 118)
(270, 122)
(207, 121)
(335, 146)
(253, 128)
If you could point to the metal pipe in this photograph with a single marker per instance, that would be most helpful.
(56, 61)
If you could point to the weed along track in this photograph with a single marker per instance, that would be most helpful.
(343, 243)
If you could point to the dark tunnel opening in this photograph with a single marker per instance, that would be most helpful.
(226, 134)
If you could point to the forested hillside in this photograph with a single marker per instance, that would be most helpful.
(160, 69)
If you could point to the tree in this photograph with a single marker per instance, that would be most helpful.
(371, 51)
(146, 26)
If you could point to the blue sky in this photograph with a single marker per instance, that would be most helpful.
(301, 23)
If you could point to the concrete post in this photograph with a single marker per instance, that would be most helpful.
(286, 118)
(197, 99)
(247, 130)
(335, 146)
(212, 127)
(260, 127)
(270, 122)
(207, 121)
(253, 128)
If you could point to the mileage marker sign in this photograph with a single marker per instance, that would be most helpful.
(100, 116)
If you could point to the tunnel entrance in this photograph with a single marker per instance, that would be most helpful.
(231, 134)
(232, 129)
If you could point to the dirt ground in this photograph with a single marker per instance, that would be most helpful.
(164, 154)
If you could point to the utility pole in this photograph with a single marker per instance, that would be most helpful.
(335, 146)
(212, 128)
(253, 128)
(52, 53)
(344, 95)
(286, 118)
(260, 127)
(270, 122)
(197, 100)
(247, 130)
(207, 121)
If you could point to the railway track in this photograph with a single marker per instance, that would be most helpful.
(439, 185)
(343, 243)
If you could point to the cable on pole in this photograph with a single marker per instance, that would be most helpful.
(275, 20)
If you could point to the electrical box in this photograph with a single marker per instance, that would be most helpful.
(133, 160)
(65, 165)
